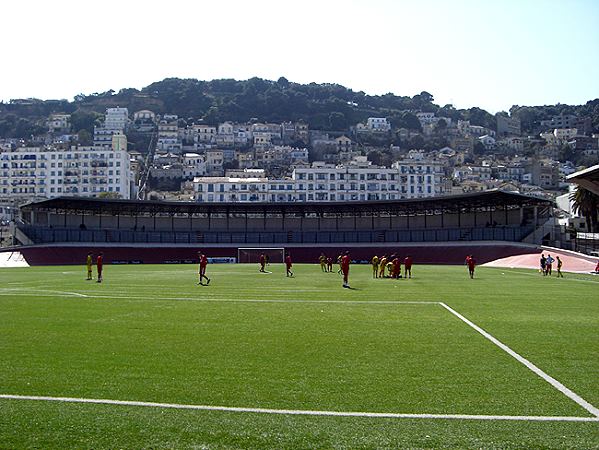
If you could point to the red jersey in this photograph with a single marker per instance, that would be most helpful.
(203, 261)
(99, 262)
(262, 259)
(345, 261)
(471, 262)
(408, 262)
(288, 261)
(396, 266)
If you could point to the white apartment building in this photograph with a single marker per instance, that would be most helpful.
(378, 124)
(117, 119)
(204, 134)
(27, 173)
(230, 189)
(168, 136)
(59, 123)
(194, 165)
(357, 181)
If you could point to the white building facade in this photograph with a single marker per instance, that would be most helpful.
(117, 119)
(357, 181)
(27, 173)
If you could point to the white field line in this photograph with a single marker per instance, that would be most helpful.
(556, 384)
(36, 292)
(299, 412)
(216, 299)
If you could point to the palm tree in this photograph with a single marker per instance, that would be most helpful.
(587, 205)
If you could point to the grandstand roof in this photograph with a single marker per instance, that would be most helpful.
(587, 178)
(450, 203)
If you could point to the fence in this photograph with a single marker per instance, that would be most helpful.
(41, 235)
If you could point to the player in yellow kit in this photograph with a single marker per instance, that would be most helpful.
(383, 266)
(89, 263)
(322, 259)
(375, 266)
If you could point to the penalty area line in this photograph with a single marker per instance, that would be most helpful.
(299, 412)
(552, 381)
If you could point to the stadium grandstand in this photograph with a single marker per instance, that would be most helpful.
(490, 224)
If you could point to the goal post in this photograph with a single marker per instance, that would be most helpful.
(252, 254)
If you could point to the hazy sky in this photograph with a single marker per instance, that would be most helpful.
(488, 53)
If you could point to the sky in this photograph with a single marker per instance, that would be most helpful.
(487, 53)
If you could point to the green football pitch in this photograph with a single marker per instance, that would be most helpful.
(149, 359)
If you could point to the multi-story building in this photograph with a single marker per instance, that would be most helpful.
(302, 131)
(44, 172)
(59, 123)
(194, 165)
(168, 136)
(466, 128)
(378, 124)
(558, 135)
(230, 189)
(205, 134)
(144, 120)
(545, 174)
(513, 143)
(357, 181)
(583, 124)
(508, 126)
(117, 119)
(214, 162)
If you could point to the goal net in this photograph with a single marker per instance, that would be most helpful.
(252, 254)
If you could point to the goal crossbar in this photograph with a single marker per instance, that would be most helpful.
(252, 254)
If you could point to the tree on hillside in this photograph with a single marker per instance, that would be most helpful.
(405, 120)
(587, 205)
(480, 117)
(338, 121)
(82, 120)
(478, 148)
(440, 126)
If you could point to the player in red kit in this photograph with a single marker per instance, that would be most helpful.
(329, 264)
(345, 262)
(288, 264)
(262, 262)
(407, 266)
(471, 263)
(99, 264)
(396, 267)
(203, 264)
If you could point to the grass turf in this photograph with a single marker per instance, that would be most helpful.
(254, 340)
